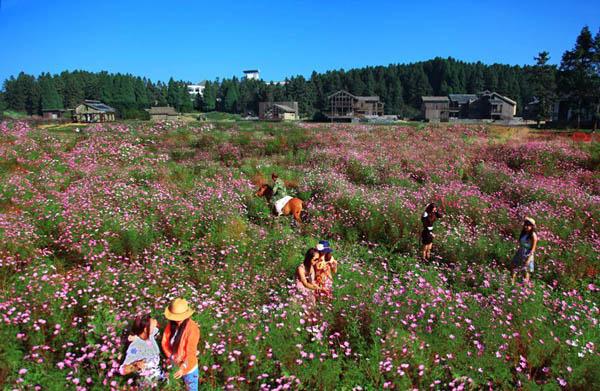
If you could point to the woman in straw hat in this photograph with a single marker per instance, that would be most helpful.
(180, 342)
(523, 259)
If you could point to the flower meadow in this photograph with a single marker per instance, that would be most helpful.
(99, 225)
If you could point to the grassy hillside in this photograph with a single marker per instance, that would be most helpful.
(99, 225)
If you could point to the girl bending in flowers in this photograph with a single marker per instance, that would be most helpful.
(305, 276)
(325, 268)
(180, 342)
(523, 259)
(143, 354)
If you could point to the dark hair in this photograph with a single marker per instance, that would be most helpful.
(328, 257)
(309, 256)
(431, 217)
(273, 175)
(140, 324)
(429, 208)
(530, 233)
(179, 330)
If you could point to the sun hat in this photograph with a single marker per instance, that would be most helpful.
(323, 247)
(530, 220)
(178, 310)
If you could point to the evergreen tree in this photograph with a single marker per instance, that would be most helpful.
(543, 85)
(49, 95)
(198, 102)
(579, 73)
(209, 99)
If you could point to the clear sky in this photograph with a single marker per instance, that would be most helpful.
(196, 40)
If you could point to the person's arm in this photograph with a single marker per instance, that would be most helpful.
(534, 242)
(129, 365)
(191, 348)
(303, 280)
(276, 187)
(333, 265)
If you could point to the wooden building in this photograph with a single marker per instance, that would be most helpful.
(93, 111)
(435, 108)
(161, 113)
(492, 105)
(53, 114)
(568, 111)
(485, 105)
(278, 111)
(459, 104)
(346, 107)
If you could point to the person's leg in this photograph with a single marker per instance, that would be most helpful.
(424, 252)
(514, 277)
(191, 381)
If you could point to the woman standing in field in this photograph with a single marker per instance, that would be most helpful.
(324, 269)
(523, 259)
(305, 276)
(430, 215)
(143, 354)
(180, 342)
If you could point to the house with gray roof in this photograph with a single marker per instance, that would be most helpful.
(278, 111)
(161, 113)
(435, 108)
(91, 111)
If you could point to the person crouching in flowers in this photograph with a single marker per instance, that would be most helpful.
(430, 215)
(143, 354)
(523, 259)
(305, 276)
(180, 342)
(324, 269)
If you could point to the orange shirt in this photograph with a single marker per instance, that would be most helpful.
(186, 355)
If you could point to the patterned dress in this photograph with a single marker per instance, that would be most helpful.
(324, 278)
(148, 351)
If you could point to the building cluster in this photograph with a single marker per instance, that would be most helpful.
(486, 105)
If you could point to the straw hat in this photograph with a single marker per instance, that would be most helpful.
(530, 220)
(178, 310)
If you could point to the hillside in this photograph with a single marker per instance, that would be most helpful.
(99, 225)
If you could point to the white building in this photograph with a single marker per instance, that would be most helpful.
(252, 74)
(196, 89)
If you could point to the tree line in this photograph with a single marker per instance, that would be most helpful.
(400, 86)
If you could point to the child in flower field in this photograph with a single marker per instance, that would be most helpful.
(305, 276)
(523, 259)
(143, 354)
(180, 342)
(430, 215)
(324, 269)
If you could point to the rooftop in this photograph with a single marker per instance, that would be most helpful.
(432, 99)
(97, 105)
(162, 110)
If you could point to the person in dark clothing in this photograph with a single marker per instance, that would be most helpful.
(430, 215)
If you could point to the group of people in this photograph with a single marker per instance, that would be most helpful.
(314, 283)
(179, 344)
(523, 260)
(314, 276)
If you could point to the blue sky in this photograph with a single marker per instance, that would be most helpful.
(196, 40)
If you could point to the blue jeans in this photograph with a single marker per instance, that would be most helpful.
(191, 380)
